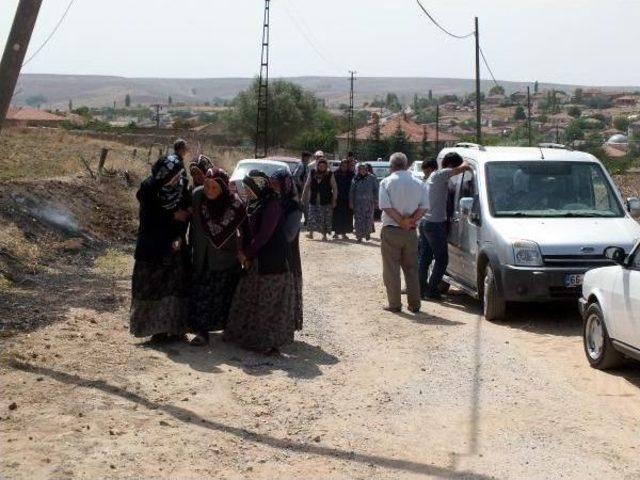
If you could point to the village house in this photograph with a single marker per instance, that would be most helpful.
(626, 101)
(415, 132)
(31, 117)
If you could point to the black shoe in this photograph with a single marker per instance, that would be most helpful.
(415, 310)
(392, 309)
(433, 297)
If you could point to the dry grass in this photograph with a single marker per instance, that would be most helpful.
(114, 262)
(14, 245)
(44, 153)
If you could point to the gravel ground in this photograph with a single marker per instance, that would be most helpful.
(361, 394)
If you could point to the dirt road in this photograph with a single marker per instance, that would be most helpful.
(362, 394)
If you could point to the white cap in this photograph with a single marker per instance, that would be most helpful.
(319, 153)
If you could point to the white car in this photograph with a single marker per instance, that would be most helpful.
(610, 306)
(243, 168)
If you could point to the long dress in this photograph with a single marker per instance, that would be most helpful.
(262, 311)
(159, 289)
(215, 275)
(363, 196)
(342, 214)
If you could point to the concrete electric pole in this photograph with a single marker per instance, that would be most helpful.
(15, 50)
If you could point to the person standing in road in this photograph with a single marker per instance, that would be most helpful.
(342, 213)
(363, 199)
(425, 254)
(320, 194)
(433, 225)
(351, 160)
(302, 172)
(403, 201)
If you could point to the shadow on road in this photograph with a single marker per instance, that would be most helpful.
(299, 360)
(188, 417)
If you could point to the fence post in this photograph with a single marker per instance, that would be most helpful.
(103, 158)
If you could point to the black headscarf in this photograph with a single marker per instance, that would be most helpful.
(221, 217)
(287, 190)
(162, 172)
(259, 184)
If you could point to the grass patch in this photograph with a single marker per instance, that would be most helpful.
(114, 262)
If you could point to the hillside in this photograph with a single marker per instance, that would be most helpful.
(102, 90)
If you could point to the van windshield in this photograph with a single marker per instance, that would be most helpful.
(550, 189)
(243, 169)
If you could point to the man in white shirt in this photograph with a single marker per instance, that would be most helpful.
(403, 201)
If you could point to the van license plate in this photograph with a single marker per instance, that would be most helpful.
(573, 280)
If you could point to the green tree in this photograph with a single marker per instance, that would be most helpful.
(430, 96)
(127, 100)
(497, 90)
(578, 96)
(574, 111)
(621, 123)
(375, 146)
(536, 87)
(520, 113)
(70, 105)
(170, 100)
(35, 100)
(574, 131)
(393, 102)
(291, 111)
(399, 142)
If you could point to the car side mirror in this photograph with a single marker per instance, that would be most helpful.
(633, 205)
(616, 254)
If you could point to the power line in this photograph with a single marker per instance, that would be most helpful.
(486, 64)
(55, 29)
(306, 36)
(435, 22)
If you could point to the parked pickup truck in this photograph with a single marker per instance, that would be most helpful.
(527, 223)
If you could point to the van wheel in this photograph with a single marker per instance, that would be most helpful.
(494, 305)
(597, 344)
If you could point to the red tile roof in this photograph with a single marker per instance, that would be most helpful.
(28, 114)
(413, 131)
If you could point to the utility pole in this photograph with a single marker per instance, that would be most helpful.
(352, 126)
(557, 133)
(478, 111)
(158, 107)
(529, 114)
(15, 50)
(437, 128)
(262, 117)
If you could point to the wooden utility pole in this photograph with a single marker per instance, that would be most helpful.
(478, 111)
(529, 114)
(15, 50)
(352, 124)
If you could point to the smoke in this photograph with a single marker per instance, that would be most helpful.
(57, 218)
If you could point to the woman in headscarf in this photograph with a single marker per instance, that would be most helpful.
(198, 169)
(217, 215)
(262, 311)
(159, 297)
(363, 199)
(282, 181)
(321, 194)
(342, 213)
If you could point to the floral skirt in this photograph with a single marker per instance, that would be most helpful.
(363, 215)
(159, 297)
(211, 296)
(262, 311)
(320, 218)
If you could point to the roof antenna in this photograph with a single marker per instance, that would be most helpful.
(541, 153)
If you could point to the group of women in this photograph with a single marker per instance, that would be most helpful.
(341, 202)
(206, 260)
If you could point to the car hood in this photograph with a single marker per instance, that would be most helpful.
(571, 236)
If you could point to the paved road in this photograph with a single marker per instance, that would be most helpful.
(362, 394)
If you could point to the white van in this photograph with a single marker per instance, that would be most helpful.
(527, 223)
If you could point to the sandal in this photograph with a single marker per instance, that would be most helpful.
(200, 340)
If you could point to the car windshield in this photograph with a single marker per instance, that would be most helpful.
(243, 169)
(381, 172)
(550, 189)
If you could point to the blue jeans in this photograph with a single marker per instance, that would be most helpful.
(432, 247)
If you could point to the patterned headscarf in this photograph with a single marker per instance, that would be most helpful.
(258, 182)
(287, 191)
(163, 171)
(220, 218)
(203, 163)
(358, 176)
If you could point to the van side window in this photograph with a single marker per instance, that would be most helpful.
(468, 187)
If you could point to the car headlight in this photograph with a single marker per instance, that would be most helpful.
(527, 253)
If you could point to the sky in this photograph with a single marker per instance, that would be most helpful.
(590, 42)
